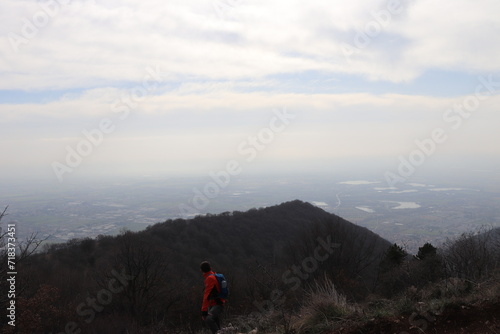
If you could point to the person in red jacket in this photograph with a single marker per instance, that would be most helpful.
(212, 306)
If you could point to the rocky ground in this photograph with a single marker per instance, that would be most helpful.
(483, 318)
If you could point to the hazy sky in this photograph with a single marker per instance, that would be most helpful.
(149, 87)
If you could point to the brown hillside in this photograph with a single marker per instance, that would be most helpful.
(480, 318)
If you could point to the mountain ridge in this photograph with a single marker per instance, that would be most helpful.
(290, 263)
(254, 249)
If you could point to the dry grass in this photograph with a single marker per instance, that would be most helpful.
(324, 306)
(326, 310)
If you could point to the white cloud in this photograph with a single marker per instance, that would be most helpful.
(222, 72)
(90, 44)
(455, 35)
(203, 126)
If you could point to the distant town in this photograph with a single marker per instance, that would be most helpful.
(412, 214)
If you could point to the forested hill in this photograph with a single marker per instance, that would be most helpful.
(281, 235)
(286, 247)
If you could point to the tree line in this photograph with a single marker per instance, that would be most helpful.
(149, 281)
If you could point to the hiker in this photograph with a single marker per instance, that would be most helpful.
(212, 306)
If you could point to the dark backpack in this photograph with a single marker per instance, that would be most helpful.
(223, 288)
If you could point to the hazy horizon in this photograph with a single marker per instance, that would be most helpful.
(93, 90)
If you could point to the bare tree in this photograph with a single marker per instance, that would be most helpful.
(3, 234)
(472, 255)
(3, 258)
(352, 258)
(148, 288)
(23, 250)
(13, 252)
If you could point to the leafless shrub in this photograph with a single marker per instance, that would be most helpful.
(473, 255)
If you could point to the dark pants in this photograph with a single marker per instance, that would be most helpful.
(213, 318)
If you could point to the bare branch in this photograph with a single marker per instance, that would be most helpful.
(29, 246)
(4, 212)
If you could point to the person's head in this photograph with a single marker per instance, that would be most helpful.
(205, 267)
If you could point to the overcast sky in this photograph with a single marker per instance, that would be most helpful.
(149, 87)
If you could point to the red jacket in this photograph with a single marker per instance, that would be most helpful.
(211, 291)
